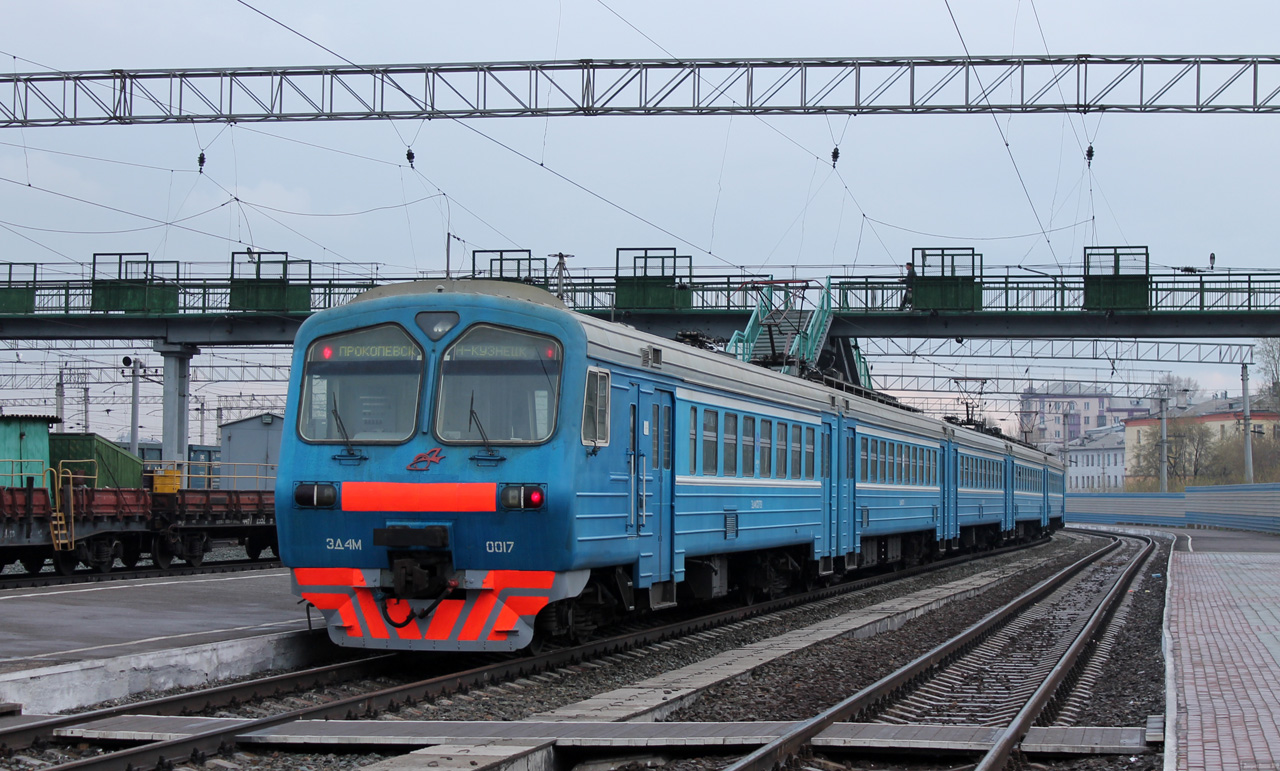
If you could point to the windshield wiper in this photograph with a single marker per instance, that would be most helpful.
(342, 429)
(475, 418)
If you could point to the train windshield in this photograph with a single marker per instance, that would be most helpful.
(498, 386)
(361, 387)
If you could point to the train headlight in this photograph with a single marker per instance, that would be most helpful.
(315, 496)
(522, 497)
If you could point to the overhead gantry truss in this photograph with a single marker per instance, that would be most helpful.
(1166, 351)
(885, 85)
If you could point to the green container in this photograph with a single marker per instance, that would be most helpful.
(18, 300)
(134, 296)
(652, 293)
(1117, 293)
(24, 449)
(256, 294)
(115, 466)
(946, 293)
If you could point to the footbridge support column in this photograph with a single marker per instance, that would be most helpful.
(177, 393)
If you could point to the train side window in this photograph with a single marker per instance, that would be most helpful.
(884, 454)
(667, 445)
(893, 463)
(655, 458)
(730, 444)
(810, 447)
(780, 456)
(796, 472)
(710, 442)
(693, 440)
(872, 474)
(766, 448)
(748, 446)
(595, 409)
(863, 452)
(826, 456)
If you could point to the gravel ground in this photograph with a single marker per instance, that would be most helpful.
(1130, 689)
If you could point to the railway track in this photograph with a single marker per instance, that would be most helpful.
(1008, 670)
(476, 671)
(89, 576)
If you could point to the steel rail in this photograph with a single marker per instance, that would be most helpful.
(776, 752)
(160, 754)
(29, 581)
(1001, 751)
(21, 736)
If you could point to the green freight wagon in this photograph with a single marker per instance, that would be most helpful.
(112, 466)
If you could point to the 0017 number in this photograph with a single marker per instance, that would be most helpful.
(499, 547)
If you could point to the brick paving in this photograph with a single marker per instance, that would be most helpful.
(1224, 623)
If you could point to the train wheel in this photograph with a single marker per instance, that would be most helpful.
(103, 554)
(161, 557)
(65, 562)
(253, 548)
(195, 560)
(33, 565)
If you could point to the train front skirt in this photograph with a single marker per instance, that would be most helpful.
(497, 612)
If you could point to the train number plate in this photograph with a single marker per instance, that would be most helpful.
(340, 544)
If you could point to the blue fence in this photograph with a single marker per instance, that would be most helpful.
(1235, 507)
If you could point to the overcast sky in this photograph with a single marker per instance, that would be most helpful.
(731, 192)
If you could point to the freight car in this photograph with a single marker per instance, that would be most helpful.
(469, 464)
(79, 523)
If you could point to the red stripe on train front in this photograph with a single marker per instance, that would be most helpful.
(424, 496)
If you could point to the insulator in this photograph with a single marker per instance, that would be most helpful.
(409, 156)
(200, 161)
(835, 155)
(1088, 156)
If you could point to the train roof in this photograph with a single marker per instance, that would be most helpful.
(711, 370)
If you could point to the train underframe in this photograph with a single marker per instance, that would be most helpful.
(421, 603)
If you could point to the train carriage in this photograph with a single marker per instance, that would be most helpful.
(469, 465)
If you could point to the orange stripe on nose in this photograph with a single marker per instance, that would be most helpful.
(412, 496)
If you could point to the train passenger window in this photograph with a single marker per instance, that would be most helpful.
(780, 457)
(915, 465)
(893, 464)
(710, 442)
(795, 452)
(748, 446)
(766, 448)
(667, 446)
(874, 473)
(595, 409)
(730, 444)
(863, 452)
(498, 386)
(361, 386)
(880, 471)
(693, 440)
(809, 449)
(826, 457)
(655, 459)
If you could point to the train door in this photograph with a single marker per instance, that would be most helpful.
(847, 506)
(653, 479)
(830, 504)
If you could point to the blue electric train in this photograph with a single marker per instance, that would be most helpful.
(469, 464)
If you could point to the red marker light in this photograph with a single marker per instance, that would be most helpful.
(535, 497)
(551, 353)
(326, 352)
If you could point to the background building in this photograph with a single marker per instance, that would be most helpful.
(1064, 412)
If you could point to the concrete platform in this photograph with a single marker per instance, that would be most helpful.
(65, 647)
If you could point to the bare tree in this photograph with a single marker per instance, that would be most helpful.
(1267, 350)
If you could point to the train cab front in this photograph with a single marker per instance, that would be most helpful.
(421, 512)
